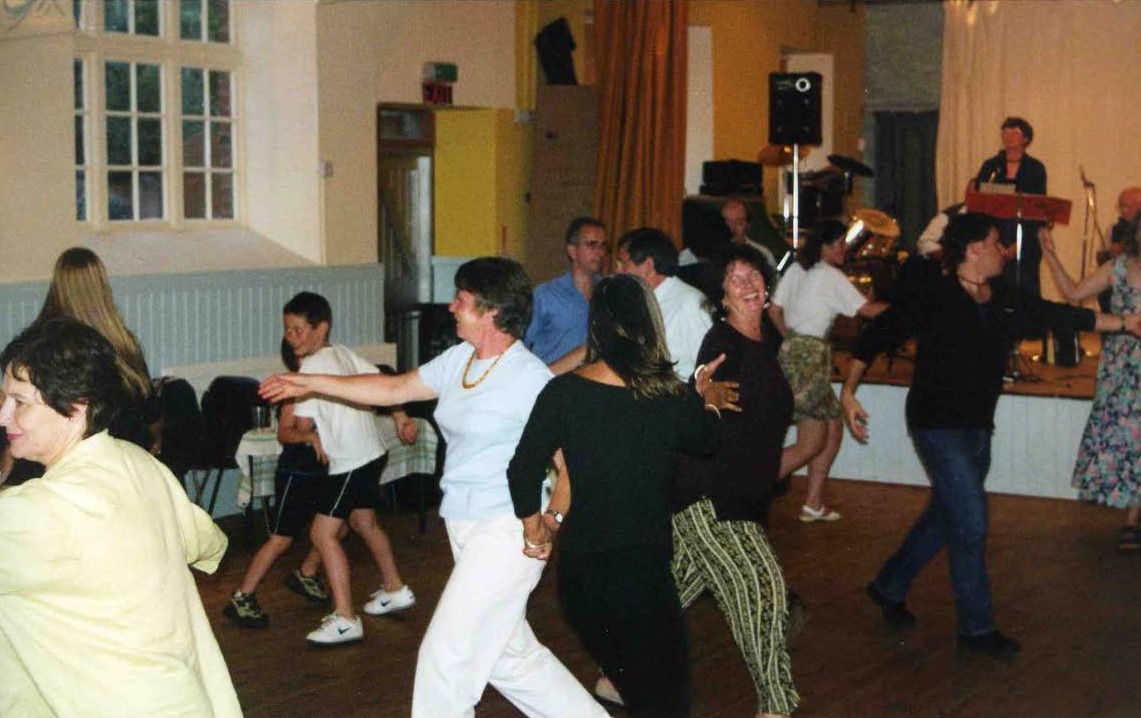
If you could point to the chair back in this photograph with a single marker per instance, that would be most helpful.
(227, 410)
(182, 432)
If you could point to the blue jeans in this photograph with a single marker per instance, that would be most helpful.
(957, 461)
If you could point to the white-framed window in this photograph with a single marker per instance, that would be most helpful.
(155, 113)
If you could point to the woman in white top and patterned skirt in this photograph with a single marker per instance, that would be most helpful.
(807, 300)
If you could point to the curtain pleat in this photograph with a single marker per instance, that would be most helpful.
(641, 59)
(905, 169)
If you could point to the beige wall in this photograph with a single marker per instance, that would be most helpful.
(749, 40)
(37, 169)
(279, 107)
(841, 32)
(313, 74)
(372, 52)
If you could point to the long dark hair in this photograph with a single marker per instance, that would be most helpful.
(824, 233)
(625, 331)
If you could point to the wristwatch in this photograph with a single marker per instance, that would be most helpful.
(556, 514)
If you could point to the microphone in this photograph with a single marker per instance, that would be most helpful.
(1085, 180)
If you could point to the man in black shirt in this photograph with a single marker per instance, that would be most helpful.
(965, 323)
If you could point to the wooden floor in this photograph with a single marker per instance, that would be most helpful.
(1059, 587)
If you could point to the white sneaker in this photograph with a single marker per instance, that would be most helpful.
(336, 629)
(387, 602)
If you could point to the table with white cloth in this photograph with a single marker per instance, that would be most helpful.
(258, 450)
(256, 458)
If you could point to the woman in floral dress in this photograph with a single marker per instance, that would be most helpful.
(1108, 470)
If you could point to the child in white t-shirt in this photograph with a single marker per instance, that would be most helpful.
(346, 437)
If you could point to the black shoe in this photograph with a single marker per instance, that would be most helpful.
(311, 587)
(243, 609)
(991, 643)
(781, 487)
(894, 612)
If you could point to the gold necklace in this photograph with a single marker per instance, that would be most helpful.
(463, 379)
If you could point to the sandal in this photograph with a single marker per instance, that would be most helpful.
(809, 515)
(1129, 539)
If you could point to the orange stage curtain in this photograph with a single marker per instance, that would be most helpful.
(641, 59)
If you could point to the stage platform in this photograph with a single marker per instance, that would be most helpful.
(1038, 423)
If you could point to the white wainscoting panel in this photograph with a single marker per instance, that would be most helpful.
(1033, 453)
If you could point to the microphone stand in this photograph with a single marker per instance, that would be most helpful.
(1018, 368)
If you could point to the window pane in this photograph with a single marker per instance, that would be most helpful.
(193, 91)
(115, 16)
(78, 81)
(193, 144)
(219, 18)
(222, 196)
(220, 94)
(80, 152)
(81, 195)
(77, 11)
(150, 142)
(146, 17)
(190, 20)
(150, 195)
(118, 86)
(221, 145)
(194, 195)
(149, 92)
(119, 202)
(118, 141)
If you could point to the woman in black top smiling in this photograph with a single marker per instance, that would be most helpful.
(722, 502)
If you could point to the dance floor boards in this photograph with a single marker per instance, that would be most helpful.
(1059, 587)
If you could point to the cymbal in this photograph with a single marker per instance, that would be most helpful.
(847, 164)
(877, 222)
(779, 155)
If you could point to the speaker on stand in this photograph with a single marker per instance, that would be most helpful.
(794, 119)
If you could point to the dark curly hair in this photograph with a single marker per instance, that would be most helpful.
(69, 363)
(963, 229)
(499, 283)
(738, 253)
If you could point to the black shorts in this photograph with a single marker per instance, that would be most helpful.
(341, 494)
(296, 497)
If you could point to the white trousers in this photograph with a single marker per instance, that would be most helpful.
(479, 633)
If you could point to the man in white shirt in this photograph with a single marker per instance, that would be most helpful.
(650, 254)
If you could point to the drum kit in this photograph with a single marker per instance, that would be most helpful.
(872, 256)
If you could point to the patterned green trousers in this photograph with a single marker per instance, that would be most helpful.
(734, 561)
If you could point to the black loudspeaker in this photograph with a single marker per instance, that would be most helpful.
(794, 108)
(555, 45)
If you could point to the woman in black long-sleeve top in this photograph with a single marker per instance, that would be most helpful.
(619, 421)
(1013, 166)
(722, 502)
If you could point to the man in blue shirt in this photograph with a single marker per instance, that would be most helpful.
(558, 320)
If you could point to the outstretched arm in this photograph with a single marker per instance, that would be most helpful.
(363, 389)
(1100, 280)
